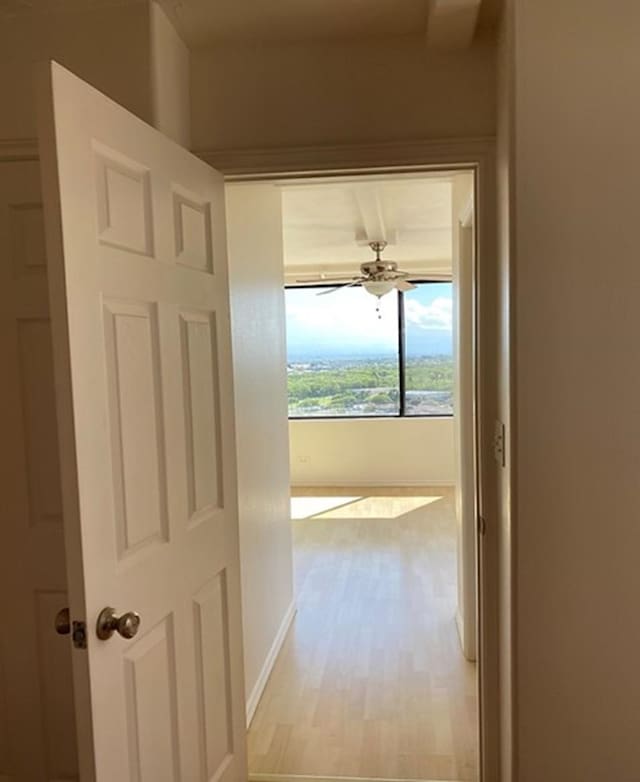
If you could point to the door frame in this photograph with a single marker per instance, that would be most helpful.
(470, 154)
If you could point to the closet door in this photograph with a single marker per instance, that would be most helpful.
(37, 726)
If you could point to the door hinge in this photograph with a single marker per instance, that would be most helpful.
(79, 635)
(482, 525)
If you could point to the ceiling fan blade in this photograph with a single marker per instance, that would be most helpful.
(355, 281)
(329, 290)
(338, 279)
(325, 277)
(404, 285)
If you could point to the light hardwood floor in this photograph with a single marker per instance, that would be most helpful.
(371, 680)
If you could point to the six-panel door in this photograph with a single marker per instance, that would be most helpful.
(140, 313)
(37, 724)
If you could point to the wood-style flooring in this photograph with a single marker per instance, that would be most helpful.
(371, 680)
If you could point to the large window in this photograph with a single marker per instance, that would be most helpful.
(345, 359)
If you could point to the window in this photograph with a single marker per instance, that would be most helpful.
(428, 349)
(344, 359)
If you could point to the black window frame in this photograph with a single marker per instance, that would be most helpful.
(402, 369)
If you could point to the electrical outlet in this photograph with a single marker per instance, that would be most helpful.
(499, 444)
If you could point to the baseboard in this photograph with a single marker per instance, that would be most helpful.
(468, 655)
(254, 698)
(379, 484)
(310, 778)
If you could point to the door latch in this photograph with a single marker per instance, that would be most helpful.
(77, 630)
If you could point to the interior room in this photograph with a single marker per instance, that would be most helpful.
(373, 671)
(152, 604)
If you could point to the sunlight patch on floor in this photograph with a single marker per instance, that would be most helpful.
(357, 507)
(306, 507)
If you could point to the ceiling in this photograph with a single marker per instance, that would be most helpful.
(15, 8)
(444, 23)
(292, 20)
(328, 224)
(203, 22)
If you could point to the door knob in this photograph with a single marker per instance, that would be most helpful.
(63, 622)
(108, 623)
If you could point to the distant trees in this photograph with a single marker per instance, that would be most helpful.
(342, 387)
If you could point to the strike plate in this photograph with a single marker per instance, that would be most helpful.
(79, 635)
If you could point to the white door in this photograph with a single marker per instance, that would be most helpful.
(140, 320)
(37, 730)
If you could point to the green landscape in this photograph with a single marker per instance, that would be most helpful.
(369, 387)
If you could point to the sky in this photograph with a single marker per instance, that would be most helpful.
(345, 324)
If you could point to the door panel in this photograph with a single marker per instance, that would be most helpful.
(35, 363)
(140, 315)
(150, 679)
(37, 721)
(212, 662)
(136, 425)
(202, 414)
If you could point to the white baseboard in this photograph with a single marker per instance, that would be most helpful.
(379, 484)
(310, 778)
(469, 653)
(254, 698)
(460, 626)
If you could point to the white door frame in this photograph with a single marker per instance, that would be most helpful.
(465, 447)
(477, 155)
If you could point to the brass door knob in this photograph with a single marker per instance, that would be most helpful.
(63, 622)
(108, 623)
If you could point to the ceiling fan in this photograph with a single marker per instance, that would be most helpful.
(377, 277)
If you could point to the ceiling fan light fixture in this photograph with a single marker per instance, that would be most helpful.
(378, 288)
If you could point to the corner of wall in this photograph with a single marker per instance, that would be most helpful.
(169, 72)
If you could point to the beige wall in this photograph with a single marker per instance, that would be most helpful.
(107, 46)
(383, 452)
(254, 231)
(130, 52)
(576, 293)
(170, 76)
(345, 92)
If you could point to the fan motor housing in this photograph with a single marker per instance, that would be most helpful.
(378, 268)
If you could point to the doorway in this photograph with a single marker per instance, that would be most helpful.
(316, 715)
(46, 616)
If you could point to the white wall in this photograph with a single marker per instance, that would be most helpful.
(342, 92)
(254, 235)
(382, 452)
(170, 77)
(576, 294)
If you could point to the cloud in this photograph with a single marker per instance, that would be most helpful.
(435, 316)
(349, 314)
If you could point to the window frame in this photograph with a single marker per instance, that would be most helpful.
(402, 414)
